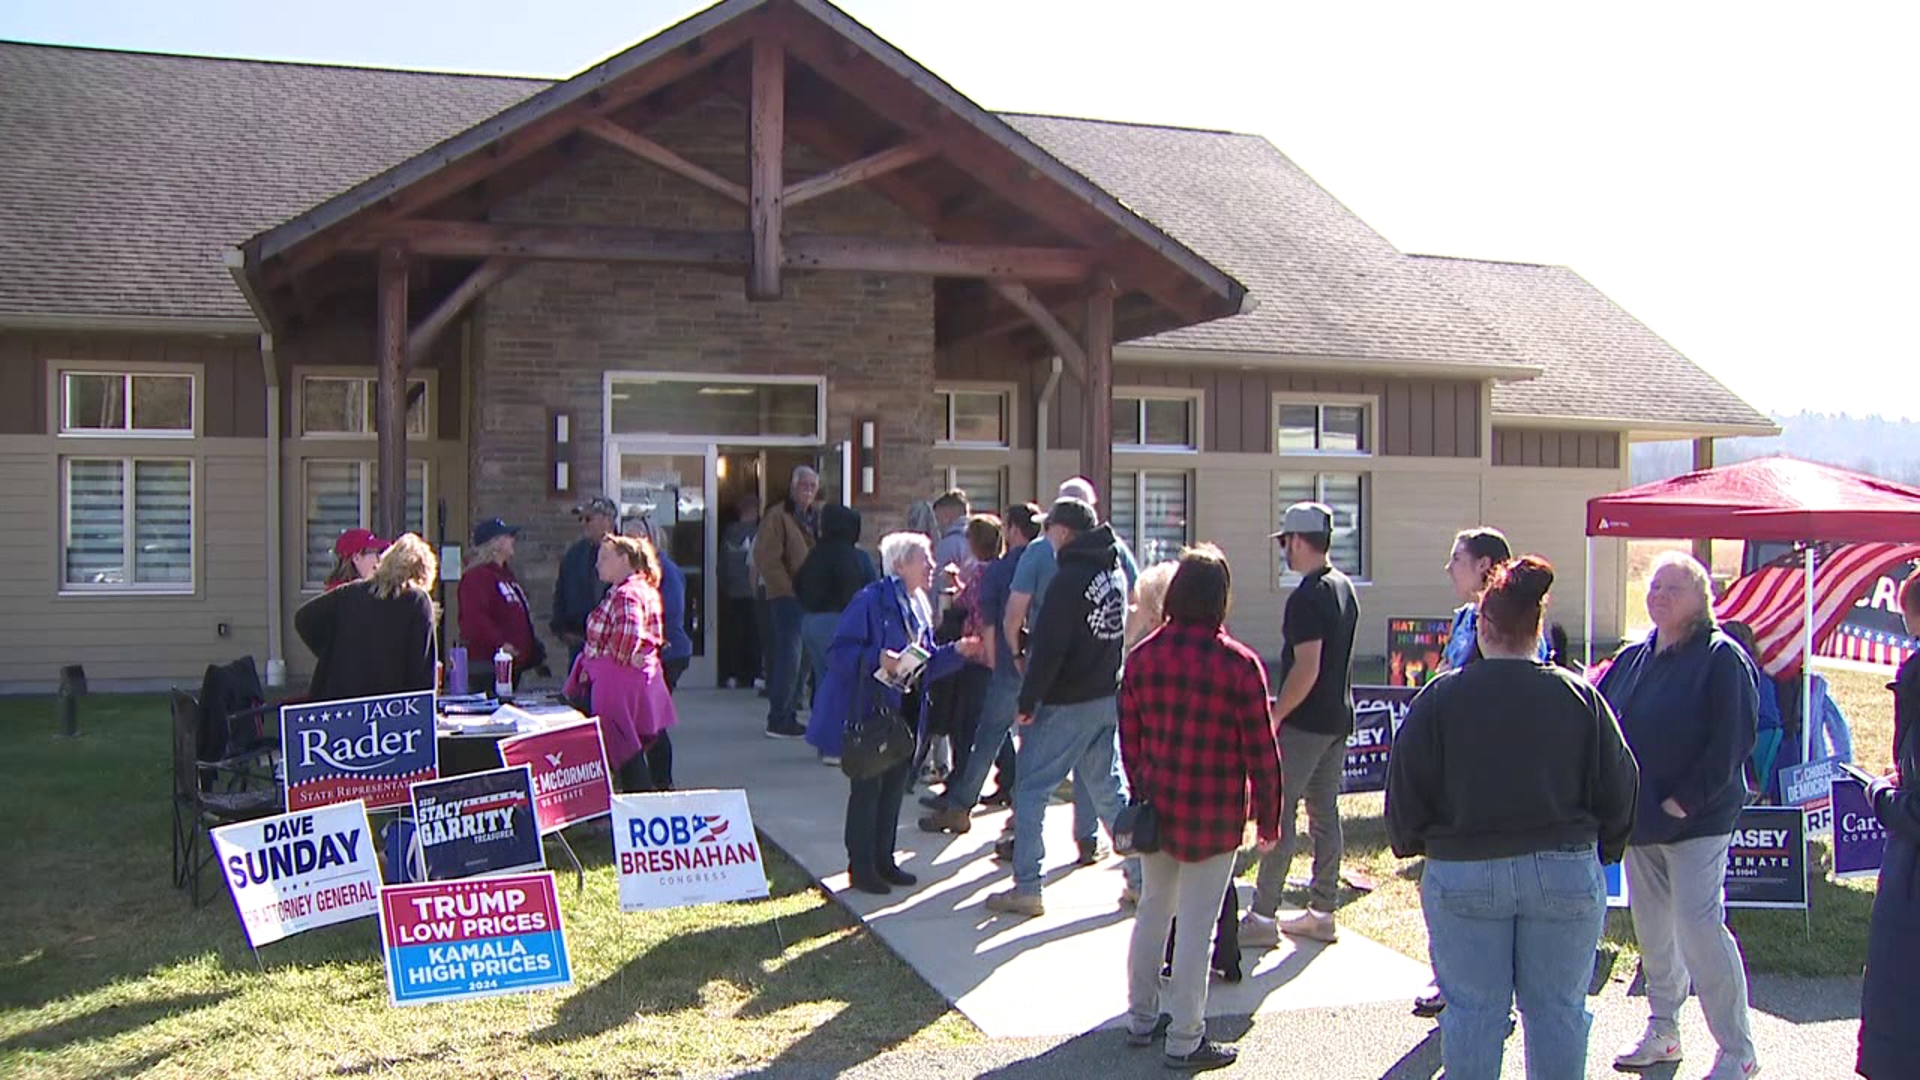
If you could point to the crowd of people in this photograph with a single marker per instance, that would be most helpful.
(1033, 645)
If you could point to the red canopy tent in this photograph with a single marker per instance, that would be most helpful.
(1777, 498)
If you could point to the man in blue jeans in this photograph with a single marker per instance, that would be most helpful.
(1069, 712)
(787, 534)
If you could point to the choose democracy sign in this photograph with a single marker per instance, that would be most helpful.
(452, 940)
(479, 823)
(295, 872)
(369, 749)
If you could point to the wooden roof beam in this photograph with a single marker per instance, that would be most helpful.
(766, 168)
(652, 152)
(490, 273)
(1065, 345)
(860, 171)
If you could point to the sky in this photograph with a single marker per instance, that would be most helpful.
(1738, 176)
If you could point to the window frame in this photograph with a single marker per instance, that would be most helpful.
(1284, 578)
(62, 370)
(301, 375)
(943, 393)
(608, 379)
(1143, 394)
(129, 529)
(1369, 423)
(1191, 479)
(951, 473)
(369, 473)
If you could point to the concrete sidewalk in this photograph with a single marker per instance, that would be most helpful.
(989, 965)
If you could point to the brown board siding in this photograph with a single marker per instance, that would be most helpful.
(232, 385)
(1537, 448)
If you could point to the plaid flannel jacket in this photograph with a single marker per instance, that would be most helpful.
(627, 624)
(1198, 741)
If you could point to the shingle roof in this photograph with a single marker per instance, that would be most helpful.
(127, 175)
(1599, 362)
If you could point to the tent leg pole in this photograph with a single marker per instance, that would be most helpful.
(1589, 635)
(1806, 665)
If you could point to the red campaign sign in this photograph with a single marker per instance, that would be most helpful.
(452, 940)
(472, 909)
(571, 781)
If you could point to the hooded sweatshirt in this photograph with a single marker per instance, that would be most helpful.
(1077, 643)
(835, 569)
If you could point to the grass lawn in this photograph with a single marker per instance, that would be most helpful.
(105, 971)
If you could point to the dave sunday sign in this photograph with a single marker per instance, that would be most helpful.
(369, 749)
(298, 871)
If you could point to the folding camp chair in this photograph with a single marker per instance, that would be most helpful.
(199, 804)
(234, 713)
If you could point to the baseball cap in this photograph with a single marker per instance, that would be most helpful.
(1074, 514)
(598, 506)
(354, 541)
(1306, 518)
(488, 528)
(1079, 487)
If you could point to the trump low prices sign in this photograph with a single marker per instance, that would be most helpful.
(295, 872)
(679, 848)
(480, 823)
(452, 940)
(369, 749)
(571, 782)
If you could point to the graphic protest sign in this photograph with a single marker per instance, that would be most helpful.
(1859, 840)
(1378, 712)
(369, 749)
(571, 782)
(1767, 863)
(1414, 648)
(294, 872)
(678, 848)
(480, 823)
(452, 940)
(1809, 787)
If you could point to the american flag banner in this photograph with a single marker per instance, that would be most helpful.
(1772, 599)
(1870, 646)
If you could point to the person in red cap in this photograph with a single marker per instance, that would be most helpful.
(355, 555)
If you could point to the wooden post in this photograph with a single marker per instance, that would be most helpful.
(390, 398)
(1703, 459)
(766, 145)
(1096, 400)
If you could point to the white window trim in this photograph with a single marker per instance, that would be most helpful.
(1136, 542)
(1007, 392)
(953, 481)
(656, 438)
(189, 587)
(57, 388)
(1370, 402)
(368, 473)
(1284, 578)
(302, 374)
(1196, 416)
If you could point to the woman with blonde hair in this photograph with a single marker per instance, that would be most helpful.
(375, 636)
(494, 613)
(619, 669)
(1149, 602)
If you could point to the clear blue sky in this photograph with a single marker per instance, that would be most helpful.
(1739, 176)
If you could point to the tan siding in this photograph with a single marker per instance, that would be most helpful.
(1543, 511)
(1549, 449)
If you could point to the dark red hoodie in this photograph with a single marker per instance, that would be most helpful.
(494, 612)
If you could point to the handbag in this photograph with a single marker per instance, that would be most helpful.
(1136, 830)
(879, 739)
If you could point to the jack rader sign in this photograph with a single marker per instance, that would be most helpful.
(372, 749)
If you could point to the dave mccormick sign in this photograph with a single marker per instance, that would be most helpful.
(448, 941)
(299, 871)
(570, 778)
(369, 749)
(678, 848)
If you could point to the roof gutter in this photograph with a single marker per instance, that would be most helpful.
(236, 263)
(1151, 354)
(64, 322)
(1640, 429)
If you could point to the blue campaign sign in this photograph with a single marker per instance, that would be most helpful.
(453, 940)
(1368, 749)
(480, 823)
(1616, 874)
(371, 749)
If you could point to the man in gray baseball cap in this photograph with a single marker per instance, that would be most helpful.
(1315, 715)
(577, 588)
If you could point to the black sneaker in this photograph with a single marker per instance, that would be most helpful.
(933, 802)
(1208, 1055)
(789, 730)
(1000, 797)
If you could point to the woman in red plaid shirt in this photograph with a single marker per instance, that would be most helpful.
(619, 666)
(1199, 745)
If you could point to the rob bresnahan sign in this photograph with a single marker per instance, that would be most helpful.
(369, 749)
(299, 871)
(571, 782)
(678, 848)
(451, 940)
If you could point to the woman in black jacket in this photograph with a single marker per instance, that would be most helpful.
(376, 636)
(1890, 994)
(833, 573)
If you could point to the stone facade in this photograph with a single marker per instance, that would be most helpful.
(546, 337)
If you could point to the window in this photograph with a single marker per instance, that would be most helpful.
(340, 496)
(129, 524)
(1304, 427)
(1154, 423)
(986, 488)
(974, 417)
(123, 403)
(1346, 495)
(766, 411)
(1157, 534)
(344, 405)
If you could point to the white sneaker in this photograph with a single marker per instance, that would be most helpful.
(1728, 1067)
(1312, 925)
(1258, 932)
(1656, 1047)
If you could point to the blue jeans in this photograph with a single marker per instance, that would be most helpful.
(783, 666)
(816, 634)
(1082, 738)
(1521, 928)
(996, 720)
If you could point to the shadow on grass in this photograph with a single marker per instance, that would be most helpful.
(105, 1023)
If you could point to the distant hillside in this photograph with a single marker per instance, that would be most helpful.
(1869, 444)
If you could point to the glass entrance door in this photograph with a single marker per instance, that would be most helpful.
(672, 486)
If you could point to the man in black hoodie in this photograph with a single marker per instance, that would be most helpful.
(834, 571)
(1069, 715)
